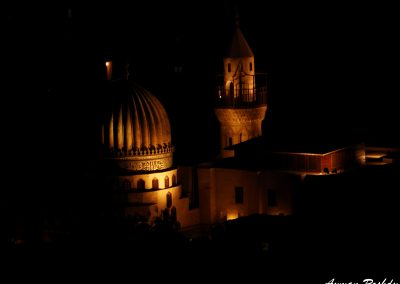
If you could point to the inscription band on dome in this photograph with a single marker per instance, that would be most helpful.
(153, 165)
(146, 163)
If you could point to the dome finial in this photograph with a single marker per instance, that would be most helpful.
(237, 15)
(125, 71)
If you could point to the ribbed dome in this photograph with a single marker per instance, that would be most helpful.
(134, 124)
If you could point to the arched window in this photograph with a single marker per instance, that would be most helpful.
(169, 200)
(251, 66)
(173, 180)
(140, 184)
(166, 182)
(229, 67)
(155, 183)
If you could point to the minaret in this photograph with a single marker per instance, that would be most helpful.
(240, 107)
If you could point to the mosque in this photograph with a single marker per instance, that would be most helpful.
(253, 173)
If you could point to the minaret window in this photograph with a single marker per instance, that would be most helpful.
(251, 66)
(230, 141)
(229, 67)
(173, 180)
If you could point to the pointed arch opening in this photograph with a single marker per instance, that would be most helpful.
(155, 183)
(169, 200)
(173, 180)
(166, 182)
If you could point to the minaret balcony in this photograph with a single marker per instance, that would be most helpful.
(241, 97)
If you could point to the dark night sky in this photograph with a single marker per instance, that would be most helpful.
(332, 73)
(331, 67)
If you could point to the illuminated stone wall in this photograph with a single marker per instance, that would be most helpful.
(226, 180)
(149, 202)
(152, 204)
(283, 185)
(217, 193)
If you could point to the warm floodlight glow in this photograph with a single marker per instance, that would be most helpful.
(375, 155)
(232, 214)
